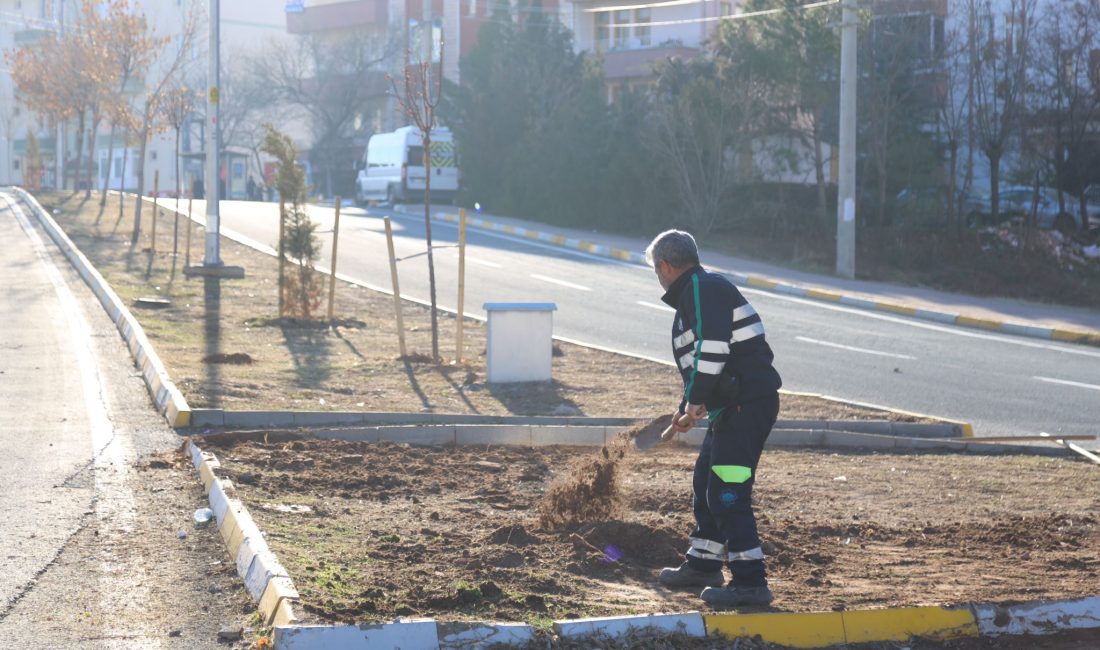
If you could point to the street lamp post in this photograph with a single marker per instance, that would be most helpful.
(213, 144)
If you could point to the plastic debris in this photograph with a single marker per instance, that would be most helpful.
(182, 534)
(203, 516)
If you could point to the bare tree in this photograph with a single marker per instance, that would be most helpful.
(1066, 100)
(952, 117)
(131, 48)
(173, 56)
(418, 96)
(334, 81)
(1002, 48)
(705, 114)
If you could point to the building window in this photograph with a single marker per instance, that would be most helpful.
(15, 164)
(727, 8)
(641, 27)
(471, 7)
(603, 30)
(623, 29)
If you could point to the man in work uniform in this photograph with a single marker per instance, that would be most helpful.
(718, 343)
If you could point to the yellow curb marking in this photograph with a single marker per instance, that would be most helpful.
(284, 615)
(1071, 336)
(229, 524)
(278, 591)
(206, 473)
(511, 230)
(823, 295)
(902, 624)
(897, 309)
(794, 630)
(983, 323)
(757, 281)
(243, 524)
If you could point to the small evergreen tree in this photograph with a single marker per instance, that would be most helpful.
(301, 291)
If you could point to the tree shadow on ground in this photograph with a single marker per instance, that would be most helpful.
(414, 383)
(535, 398)
(459, 389)
(310, 351)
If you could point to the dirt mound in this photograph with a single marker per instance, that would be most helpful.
(589, 490)
(640, 544)
(513, 536)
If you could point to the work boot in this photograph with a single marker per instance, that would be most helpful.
(737, 596)
(686, 576)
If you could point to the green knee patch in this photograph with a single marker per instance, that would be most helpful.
(733, 473)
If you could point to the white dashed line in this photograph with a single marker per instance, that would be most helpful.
(1066, 382)
(481, 262)
(563, 283)
(854, 349)
(653, 305)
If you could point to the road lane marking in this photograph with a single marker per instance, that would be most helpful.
(854, 349)
(653, 305)
(922, 325)
(563, 283)
(492, 265)
(1066, 382)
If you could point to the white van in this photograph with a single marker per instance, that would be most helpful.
(392, 168)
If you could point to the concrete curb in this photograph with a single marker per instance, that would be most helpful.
(1085, 336)
(265, 579)
(259, 419)
(168, 399)
(538, 435)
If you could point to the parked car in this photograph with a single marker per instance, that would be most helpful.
(932, 201)
(1016, 201)
(392, 167)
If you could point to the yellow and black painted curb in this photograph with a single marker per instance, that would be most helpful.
(1083, 336)
(168, 399)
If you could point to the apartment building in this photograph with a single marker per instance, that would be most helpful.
(633, 36)
(245, 27)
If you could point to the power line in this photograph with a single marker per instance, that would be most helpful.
(711, 19)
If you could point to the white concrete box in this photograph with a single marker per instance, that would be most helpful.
(519, 341)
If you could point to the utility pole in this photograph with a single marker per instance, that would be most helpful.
(59, 144)
(427, 32)
(213, 144)
(846, 183)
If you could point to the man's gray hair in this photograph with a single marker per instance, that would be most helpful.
(675, 247)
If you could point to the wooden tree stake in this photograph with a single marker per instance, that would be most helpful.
(396, 290)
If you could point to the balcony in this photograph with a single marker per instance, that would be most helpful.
(311, 18)
(638, 63)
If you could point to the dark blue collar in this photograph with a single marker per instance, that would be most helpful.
(672, 296)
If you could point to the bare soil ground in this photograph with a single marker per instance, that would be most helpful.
(237, 354)
(373, 531)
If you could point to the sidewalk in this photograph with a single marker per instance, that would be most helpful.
(997, 314)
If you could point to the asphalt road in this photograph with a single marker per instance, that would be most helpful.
(84, 565)
(1004, 385)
